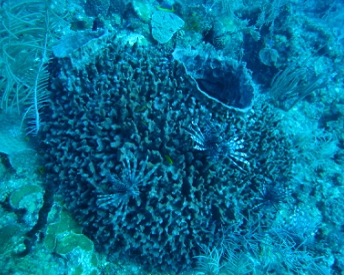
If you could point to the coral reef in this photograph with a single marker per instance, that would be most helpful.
(136, 103)
(192, 137)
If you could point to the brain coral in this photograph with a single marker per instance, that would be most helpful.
(132, 107)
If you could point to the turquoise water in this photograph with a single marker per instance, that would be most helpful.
(171, 137)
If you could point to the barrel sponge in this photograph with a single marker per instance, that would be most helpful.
(121, 124)
(222, 79)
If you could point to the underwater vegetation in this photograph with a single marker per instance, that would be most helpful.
(198, 137)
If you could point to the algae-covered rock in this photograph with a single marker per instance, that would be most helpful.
(25, 161)
(133, 38)
(69, 242)
(65, 225)
(6, 237)
(19, 195)
(143, 9)
(14, 143)
(165, 25)
(30, 198)
(65, 237)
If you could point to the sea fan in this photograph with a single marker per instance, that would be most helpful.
(25, 32)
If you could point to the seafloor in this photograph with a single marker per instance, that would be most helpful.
(171, 137)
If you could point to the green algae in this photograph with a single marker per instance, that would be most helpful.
(6, 237)
(22, 192)
(68, 242)
(65, 225)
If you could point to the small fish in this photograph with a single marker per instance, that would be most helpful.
(144, 124)
(41, 170)
(78, 25)
(166, 7)
(95, 25)
(140, 109)
(170, 161)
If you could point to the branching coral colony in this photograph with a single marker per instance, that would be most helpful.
(164, 222)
